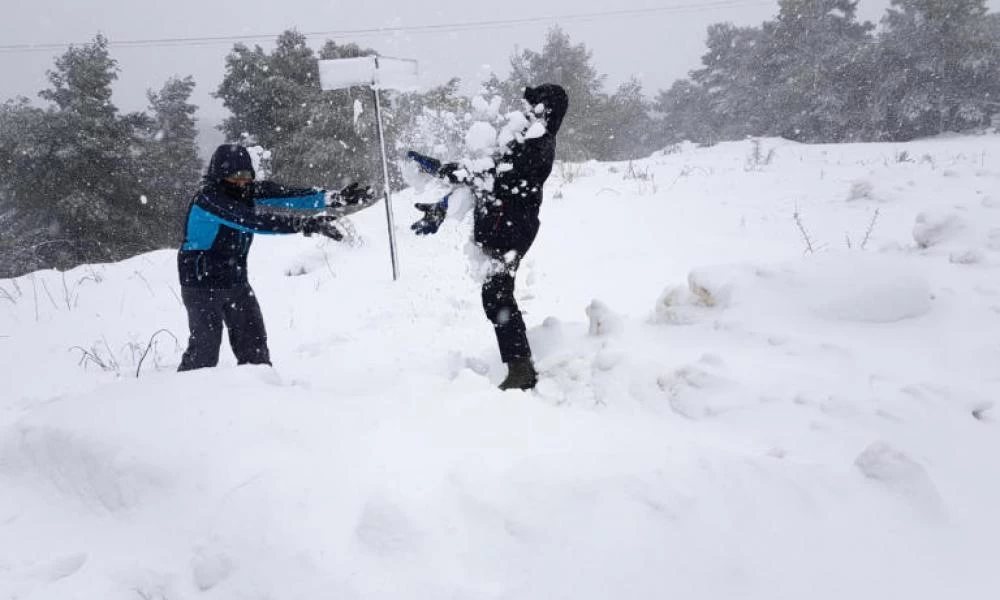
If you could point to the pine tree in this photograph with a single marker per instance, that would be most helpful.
(76, 178)
(169, 166)
(811, 68)
(269, 95)
(582, 134)
(940, 58)
(684, 115)
(93, 208)
(313, 135)
(733, 82)
(628, 124)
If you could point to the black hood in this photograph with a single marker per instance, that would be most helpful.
(228, 159)
(555, 100)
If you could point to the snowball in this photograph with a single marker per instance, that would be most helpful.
(487, 110)
(479, 104)
(481, 138)
(536, 130)
(516, 121)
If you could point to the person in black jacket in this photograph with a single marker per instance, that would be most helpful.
(212, 261)
(508, 199)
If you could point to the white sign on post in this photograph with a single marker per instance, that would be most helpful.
(376, 73)
(372, 71)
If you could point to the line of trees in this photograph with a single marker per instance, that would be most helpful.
(81, 182)
(816, 74)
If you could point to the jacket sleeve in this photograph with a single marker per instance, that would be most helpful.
(271, 194)
(245, 218)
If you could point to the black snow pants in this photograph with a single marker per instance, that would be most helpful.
(208, 309)
(498, 296)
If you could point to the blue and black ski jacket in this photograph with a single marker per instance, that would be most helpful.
(223, 219)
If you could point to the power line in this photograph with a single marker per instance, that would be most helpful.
(371, 31)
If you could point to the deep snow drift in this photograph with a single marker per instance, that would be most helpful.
(722, 413)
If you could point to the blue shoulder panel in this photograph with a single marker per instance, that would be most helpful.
(202, 227)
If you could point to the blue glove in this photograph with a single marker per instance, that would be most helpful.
(434, 215)
(426, 163)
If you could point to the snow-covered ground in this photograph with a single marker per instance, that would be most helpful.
(721, 414)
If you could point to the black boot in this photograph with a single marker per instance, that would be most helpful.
(521, 375)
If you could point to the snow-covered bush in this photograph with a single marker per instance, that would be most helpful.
(860, 190)
(932, 229)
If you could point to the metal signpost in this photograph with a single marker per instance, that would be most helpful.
(377, 73)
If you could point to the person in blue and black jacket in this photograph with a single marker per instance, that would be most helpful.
(212, 262)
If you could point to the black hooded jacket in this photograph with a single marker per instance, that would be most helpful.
(223, 219)
(507, 218)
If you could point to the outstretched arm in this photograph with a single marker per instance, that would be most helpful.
(269, 193)
(213, 207)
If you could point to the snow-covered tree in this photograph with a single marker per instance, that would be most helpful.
(583, 133)
(269, 94)
(681, 115)
(732, 83)
(169, 168)
(811, 69)
(76, 177)
(627, 124)
(316, 137)
(939, 59)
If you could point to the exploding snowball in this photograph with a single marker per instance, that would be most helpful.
(481, 138)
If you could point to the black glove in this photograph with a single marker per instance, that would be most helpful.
(434, 215)
(426, 163)
(322, 224)
(352, 194)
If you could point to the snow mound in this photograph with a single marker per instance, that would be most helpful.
(839, 287)
(932, 229)
(900, 474)
(866, 289)
(603, 321)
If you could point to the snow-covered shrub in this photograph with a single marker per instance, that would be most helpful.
(969, 256)
(758, 158)
(569, 172)
(860, 190)
(603, 321)
(677, 305)
(933, 229)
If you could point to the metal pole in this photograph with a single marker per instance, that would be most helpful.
(385, 175)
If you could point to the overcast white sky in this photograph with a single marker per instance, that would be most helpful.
(658, 47)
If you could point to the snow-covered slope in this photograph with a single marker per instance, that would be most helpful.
(722, 413)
